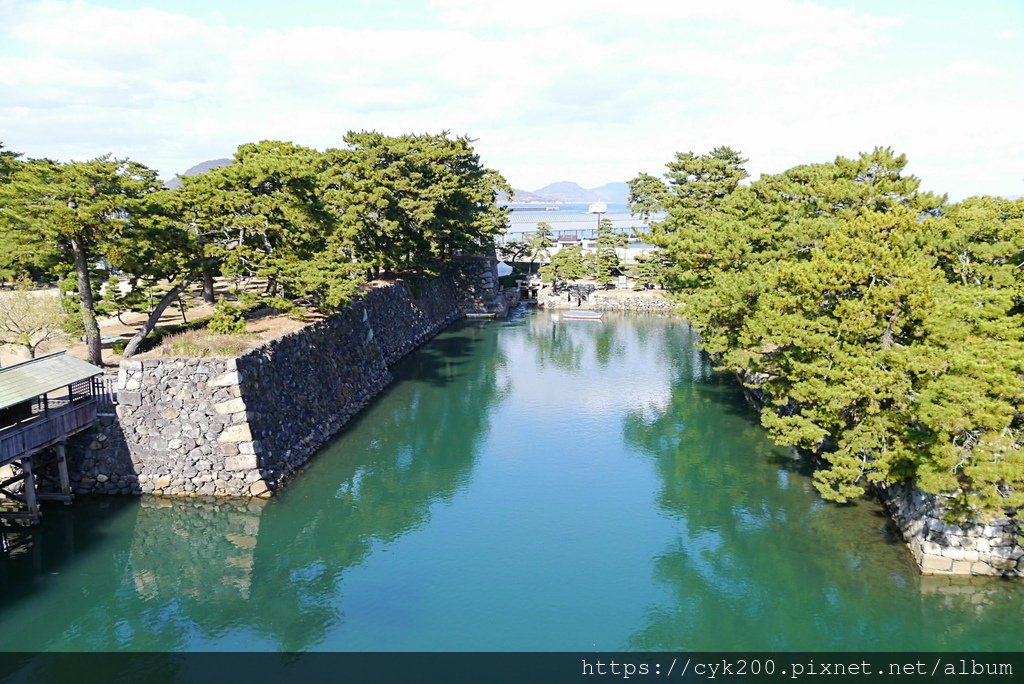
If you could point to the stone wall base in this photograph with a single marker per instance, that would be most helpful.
(642, 301)
(99, 462)
(973, 548)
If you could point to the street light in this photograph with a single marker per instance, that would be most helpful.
(599, 208)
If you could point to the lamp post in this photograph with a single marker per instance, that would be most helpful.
(599, 208)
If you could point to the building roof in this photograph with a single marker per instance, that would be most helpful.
(526, 222)
(30, 379)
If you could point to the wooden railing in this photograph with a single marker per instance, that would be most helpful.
(21, 440)
(106, 392)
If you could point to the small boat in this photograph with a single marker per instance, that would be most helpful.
(480, 315)
(583, 315)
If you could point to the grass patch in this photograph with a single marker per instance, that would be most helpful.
(159, 336)
(155, 338)
(202, 343)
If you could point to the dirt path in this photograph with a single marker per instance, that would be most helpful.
(267, 327)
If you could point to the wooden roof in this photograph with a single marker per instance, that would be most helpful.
(30, 379)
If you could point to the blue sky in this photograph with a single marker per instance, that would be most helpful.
(551, 89)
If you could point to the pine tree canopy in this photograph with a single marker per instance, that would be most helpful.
(880, 325)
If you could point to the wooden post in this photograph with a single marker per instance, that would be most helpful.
(62, 468)
(30, 490)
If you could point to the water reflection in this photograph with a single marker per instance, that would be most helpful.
(533, 484)
(760, 562)
(254, 575)
(376, 482)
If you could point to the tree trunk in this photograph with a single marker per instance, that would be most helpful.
(147, 327)
(92, 329)
(208, 295)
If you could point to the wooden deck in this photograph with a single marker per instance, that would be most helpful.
(21, 441)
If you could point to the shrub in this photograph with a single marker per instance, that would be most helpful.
(227, 319)
(510, 280)
(282, 304)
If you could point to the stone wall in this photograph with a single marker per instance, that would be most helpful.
(476, 279)
(187, 426)
(302, 388)
(240, 427)
(650, 302)
(971, 548)
(98, 460)
(587, 296)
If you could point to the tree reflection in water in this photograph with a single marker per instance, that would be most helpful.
(535, 483)
(759, 561)
(253, 575)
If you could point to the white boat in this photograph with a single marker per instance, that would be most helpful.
(598, 207)
(480, 315)
(583, 315)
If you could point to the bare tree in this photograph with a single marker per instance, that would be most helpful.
(31, 319)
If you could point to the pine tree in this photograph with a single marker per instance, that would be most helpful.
(540, 242)
(608, 242)
(881, 327)
(82, 208)
(568, 263)
(411, 202)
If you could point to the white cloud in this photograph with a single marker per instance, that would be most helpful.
(590, 92)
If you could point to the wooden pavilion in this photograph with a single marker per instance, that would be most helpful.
(42, 402)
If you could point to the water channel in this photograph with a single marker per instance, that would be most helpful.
(530, 484)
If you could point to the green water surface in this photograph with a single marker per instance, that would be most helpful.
(534, 484)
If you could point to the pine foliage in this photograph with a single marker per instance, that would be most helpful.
(880, 325)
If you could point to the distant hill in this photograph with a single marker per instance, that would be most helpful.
(567, 191)
(615, 193)
(201, 167)
(523, 196)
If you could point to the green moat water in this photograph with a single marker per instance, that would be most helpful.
(535, 484)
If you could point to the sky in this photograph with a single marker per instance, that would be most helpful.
(592, 92)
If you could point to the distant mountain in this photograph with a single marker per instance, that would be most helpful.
(523, 196)
(614, 193)
(201, 167)
(567, 191)
(527, 196)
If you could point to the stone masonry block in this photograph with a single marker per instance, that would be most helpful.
(129, 398)
(236, 433)
(240, 462)
(236, 405)
(226, 379)
(936, 564)
(961, 567)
